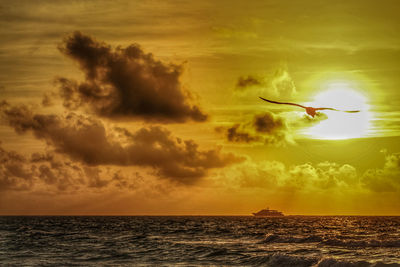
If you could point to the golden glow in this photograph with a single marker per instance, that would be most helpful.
(341, 125)
(344, 55)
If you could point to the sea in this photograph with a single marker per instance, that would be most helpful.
(199, 241)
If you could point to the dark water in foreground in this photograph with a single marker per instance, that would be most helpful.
(244, 241)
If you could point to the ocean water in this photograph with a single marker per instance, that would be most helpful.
(199, 241)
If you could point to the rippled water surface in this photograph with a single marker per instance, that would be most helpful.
(240, 241)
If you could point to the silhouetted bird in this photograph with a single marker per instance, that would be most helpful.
(310, 110)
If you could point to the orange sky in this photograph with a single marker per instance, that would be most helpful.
(132, 107)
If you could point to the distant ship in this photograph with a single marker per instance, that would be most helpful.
(268, 213)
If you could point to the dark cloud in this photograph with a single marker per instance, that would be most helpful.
(86, 140)
(122, 182)
(47, 99)
(94, 178)
(125, 82)
(56, 173)
(272, 128)
(40, 157)
(173, 157)
(266, 127)
(19, 173)
(268, 123)
(233, 134)
(245, 82)
(14, 174)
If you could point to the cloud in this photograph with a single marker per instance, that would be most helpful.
(14, 174)
(282, 83)
(269, 128)
(125, 82)
(122, 182)
(275, 176)
(307, 120)
(245, 82)
(273, 128)
(319, 177)
(324, 175)
(19, 173)
(278, 84)
(47, 99)
(386, 179)
(233, 134)
(268, 123)
(54, 173)
(255, 175)
(86, 139)
(265, 127)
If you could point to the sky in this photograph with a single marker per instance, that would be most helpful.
(153, 108)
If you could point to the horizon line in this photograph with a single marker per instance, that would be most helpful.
(197, 215)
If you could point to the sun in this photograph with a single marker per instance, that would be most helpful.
(340, 125)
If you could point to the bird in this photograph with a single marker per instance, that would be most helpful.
(309, 110)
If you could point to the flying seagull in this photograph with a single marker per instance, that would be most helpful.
(310, 110)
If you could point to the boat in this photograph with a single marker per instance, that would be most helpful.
(268, 213)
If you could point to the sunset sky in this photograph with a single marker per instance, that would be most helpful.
(152, 107)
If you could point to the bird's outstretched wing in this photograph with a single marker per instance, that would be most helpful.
(348, 111)
(282, 103)
(294, 104)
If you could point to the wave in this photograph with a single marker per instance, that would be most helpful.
(331, 262)
(275, 238)
(362, 243)
(222, 252)
(280, 259)
(194, 241)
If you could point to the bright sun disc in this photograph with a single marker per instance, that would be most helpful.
(341, 125)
